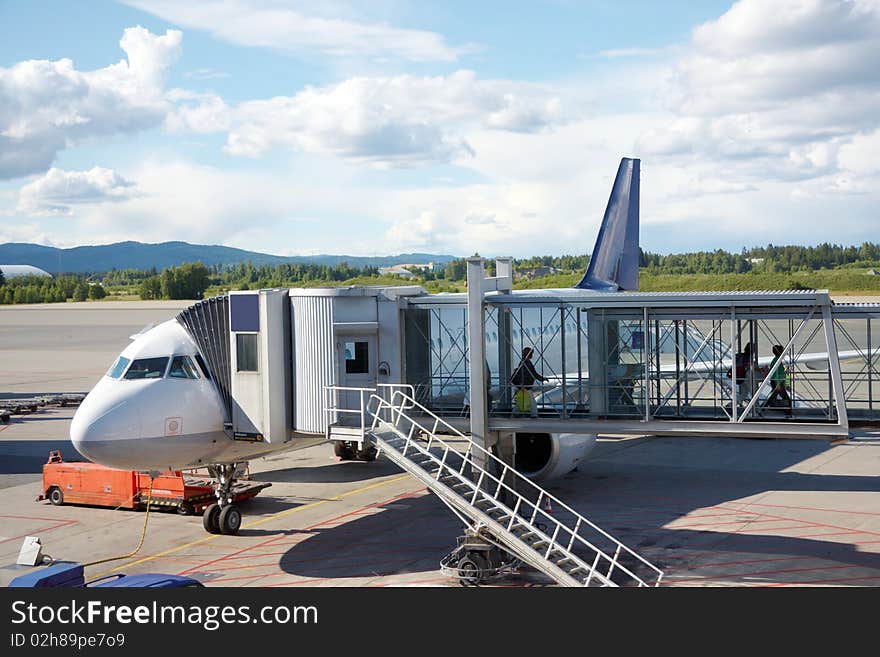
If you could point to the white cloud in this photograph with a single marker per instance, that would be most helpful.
(616, 53)
(387, 121)
(196, 203)
(205, 74)
(57, 190)
(785, 92)
(199, 113)
(45, 106)
(285, 29)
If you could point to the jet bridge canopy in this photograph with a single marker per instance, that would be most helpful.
(639, 362)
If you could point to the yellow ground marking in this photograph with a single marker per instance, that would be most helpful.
(274, 516)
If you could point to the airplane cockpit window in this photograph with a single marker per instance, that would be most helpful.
(118, 367)
(147, 368)
(204, 367)
(182, 367)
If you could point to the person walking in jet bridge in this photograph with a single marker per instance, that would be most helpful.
(523, 379)
(778, 379)
(742, 364)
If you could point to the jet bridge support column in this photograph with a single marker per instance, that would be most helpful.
(504, 268)
(505, 441)
(834, 364)
(597, 352)
(478, 285)
(477, 355)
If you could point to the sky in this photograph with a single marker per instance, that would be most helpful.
(395, 126)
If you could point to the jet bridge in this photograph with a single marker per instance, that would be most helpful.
(698, 363)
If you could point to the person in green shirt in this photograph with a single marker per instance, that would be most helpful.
(778, 380)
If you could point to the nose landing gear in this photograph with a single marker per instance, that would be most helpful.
(223, 517)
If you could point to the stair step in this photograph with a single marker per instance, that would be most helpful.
(447, 468)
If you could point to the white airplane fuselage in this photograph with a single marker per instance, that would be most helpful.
(166, 419)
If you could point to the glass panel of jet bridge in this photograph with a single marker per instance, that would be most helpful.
(740, 358)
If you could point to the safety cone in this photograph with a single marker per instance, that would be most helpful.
(546, 506)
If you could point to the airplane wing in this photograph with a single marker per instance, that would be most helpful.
(813, 361)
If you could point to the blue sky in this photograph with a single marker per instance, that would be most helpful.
(392, 126)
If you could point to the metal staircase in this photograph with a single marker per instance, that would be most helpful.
(497, 502)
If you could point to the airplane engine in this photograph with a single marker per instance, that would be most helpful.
(542, 456)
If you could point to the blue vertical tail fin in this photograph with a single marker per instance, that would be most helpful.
(614, 264)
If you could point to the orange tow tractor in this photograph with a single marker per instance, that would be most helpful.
(97, 485)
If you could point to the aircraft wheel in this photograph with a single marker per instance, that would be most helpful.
(230, 520)
(211, 519)
(56, 496)
(470, 569)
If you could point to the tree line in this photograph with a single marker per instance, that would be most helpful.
(43, 289)
(763, 259)
(193, 280)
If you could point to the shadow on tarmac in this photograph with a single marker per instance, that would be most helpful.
(334, 472)
(634, 503)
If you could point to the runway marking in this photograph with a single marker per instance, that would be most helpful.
(816, 524)
(432, 580)
(820, 581)
(276, 540)
(742, 521)
(274, 516)
(39, 518)
(58, 523)
(757, 573)
(809, 508)
(273, 539)
(700, 566)
(830, 534)
(361, 554)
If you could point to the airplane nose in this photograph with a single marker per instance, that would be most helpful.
(99, 432)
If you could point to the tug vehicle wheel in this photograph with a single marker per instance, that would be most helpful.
(56, 496)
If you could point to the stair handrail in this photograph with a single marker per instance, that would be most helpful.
(406, 403)
(331, 403)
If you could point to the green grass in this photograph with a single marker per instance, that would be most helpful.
(844, 281)
(837, 281)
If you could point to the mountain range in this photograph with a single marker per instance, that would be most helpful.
(138, 255)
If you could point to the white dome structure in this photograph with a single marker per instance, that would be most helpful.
(11, 271)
